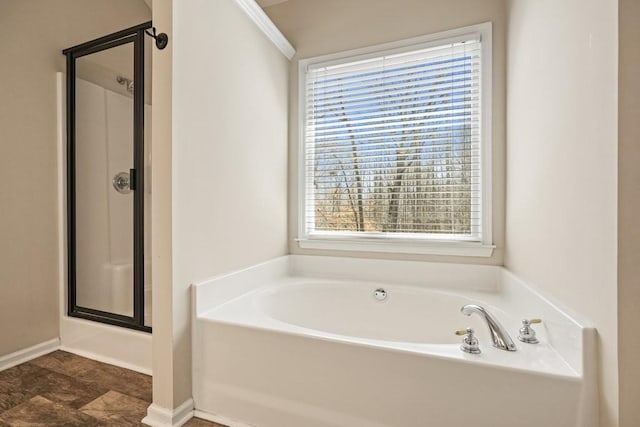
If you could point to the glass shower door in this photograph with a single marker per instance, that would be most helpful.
(105, 189)
(104, 199)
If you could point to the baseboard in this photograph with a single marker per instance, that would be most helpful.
(158, 416)
(27, 354)
(220, 419)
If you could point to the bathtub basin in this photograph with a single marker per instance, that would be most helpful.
(302, 341)
(350, 309)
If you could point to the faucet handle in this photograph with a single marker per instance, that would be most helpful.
(527, 333)
(470, 342)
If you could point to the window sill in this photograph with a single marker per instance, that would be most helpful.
(450, 248)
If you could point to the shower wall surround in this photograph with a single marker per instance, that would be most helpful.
(104, 216)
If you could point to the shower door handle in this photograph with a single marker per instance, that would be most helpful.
(124, 182)
(132, 179)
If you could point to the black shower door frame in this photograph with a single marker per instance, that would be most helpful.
(133, 35)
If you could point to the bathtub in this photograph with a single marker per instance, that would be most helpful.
(303, 341)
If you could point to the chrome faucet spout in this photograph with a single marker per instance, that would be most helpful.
(499, 334)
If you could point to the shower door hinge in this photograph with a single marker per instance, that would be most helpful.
(132, 179)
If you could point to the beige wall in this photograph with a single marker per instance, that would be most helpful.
(321, 27)
(561, 162)
(629, 212)
(228, 166)
(32, 35)
(161, 238)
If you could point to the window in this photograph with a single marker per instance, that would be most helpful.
(395, 146)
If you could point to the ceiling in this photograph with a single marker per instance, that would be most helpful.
(262, 3)
(267, 3)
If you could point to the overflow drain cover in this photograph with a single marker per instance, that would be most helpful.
(380, 294)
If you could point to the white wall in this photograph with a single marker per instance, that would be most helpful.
(32, 36)
(561, 162)
(321, 27)
(228, 166)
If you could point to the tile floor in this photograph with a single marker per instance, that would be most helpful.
(62, 389)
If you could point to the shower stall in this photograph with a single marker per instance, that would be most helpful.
(108, 111)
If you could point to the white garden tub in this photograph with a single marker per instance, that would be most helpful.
(302, 341)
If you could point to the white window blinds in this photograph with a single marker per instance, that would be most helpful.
(392, 144)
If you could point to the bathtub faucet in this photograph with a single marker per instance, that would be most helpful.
(499, 335)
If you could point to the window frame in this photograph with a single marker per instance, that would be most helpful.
(397, 242)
